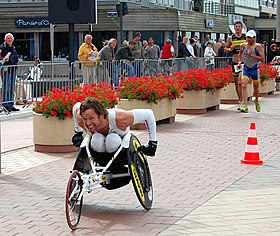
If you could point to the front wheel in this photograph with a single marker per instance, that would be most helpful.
(74, 200)
(140, 174)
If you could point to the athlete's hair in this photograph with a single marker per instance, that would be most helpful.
(96, 105)
(238, 23)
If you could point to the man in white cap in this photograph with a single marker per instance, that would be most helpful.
(252, 54)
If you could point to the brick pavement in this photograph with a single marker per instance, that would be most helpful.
(199, 186)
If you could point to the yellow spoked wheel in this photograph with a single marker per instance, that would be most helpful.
(140, 174)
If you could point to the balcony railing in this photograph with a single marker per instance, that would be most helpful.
(218, 9)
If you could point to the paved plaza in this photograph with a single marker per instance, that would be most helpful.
(200, 187)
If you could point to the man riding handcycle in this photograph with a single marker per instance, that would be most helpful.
(110, 155)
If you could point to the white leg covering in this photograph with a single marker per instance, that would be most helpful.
(112, 142)
(98, 142)
(77, 128)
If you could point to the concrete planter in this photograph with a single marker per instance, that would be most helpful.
(53, 135)
(267, 88)
(229, 96)
(165, 110)
(198, 101)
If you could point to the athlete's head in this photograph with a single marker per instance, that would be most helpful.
(96, 105)
(251, 36)
(238, 27)
(94, 114)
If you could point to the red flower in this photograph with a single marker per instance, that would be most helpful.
(59, 102)
(267, 72)
(150, 89)
(198, 79)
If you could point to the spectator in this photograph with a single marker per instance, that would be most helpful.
(107, 53)
(137, 51)
(221, 51)
(207, 39)
(223, 56)
(183, 53)
(167, 54)
(191, 61)
(209, 55)
(217, 45)
(196, 47)
(152, 52)
(145, 44)
(125, 53)
(89, 57)
(10, 58)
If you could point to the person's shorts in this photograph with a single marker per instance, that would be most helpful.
(254, 73)
(234, 73)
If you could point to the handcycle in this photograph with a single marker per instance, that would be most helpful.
(98, 174)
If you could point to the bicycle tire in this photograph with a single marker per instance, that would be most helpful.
(140, 174)
(73, 207)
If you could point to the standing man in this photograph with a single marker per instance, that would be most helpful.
(10, 58)
(152, 53)
(196, 47)
(233, 46)
(137, 53)
(124, 53)
(192, 61)
(107, 53)
(252, 53)
(183, 53)
(88, 56)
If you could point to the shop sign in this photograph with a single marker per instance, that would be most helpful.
(32, 22)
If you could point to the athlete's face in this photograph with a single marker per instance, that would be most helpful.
(250, 40)
(91, 120)
(238, 28)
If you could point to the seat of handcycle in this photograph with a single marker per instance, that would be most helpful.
(102, 158)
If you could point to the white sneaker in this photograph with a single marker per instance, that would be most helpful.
(239, 105)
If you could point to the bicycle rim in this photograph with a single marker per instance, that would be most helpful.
(73, 205)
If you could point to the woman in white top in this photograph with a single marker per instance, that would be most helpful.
(209, 55)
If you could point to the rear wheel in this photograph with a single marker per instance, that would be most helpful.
(140, 174)
(73, 200)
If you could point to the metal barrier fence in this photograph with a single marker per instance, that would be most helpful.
(28, 82)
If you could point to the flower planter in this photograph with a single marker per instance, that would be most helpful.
(229, 96)
(164, 111)
(198, 101)
(53, 135)
(267, 88)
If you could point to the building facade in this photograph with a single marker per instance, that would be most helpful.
(160, 19)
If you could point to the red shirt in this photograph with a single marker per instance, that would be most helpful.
(166, 52)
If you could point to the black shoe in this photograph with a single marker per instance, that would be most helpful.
(7, 109)
(14, 109)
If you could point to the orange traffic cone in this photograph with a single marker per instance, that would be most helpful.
(252, 155)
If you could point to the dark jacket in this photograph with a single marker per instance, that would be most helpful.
(183, 51)
(221, 52)
(13, 59)
(124, 53)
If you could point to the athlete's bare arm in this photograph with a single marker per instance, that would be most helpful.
(124, 119)
(228, 47)
(240, 52)
(261, 56)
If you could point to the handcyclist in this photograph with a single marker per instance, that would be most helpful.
(107, 127)
(233, 46)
